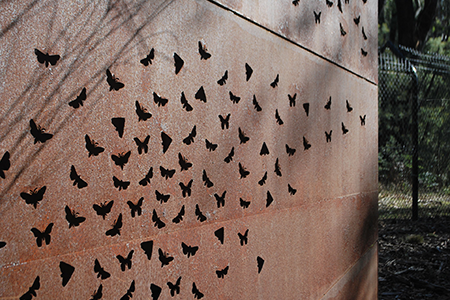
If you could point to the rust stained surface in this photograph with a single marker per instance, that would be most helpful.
(311, 221)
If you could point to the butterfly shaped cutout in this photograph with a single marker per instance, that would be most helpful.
(166, 173)
(179, 62)
(160, 101)
(344, 129)
(363, 120)
(103, 209)
(243, 172)
(174, 287)
(306, 108)
(328, 104)
(101, 273)
(186, 189)
(196, 292)
(142, 145)
(274, 84)
(5, 164)
(202, 51)
(222, 273)
(146, 179)
(148, 59)
(39, 133)
(185, 103)
(164, 258)
(306, 144)
(119, 125)
(34, 196)
(147, 246)
(166, 141)
(235, 99)
(143, 114)
(329, 3)
(135, 208)
(256, 104)
(242, 137)
(356, 20)
(113, 81)
(72, 217)
(179, 216)
(244, 204)
(28, 295)
(115, 230)
(210, 146)
(363, 33)
(206, 181)
(269, 199)
(290, 151)
(224, 78)
(347, 104)
(200, 95)
(224, 121)
(121, 159)
(190, 138)
(277, 168)
(229, 157)
(158, 222)
(317, 17)
(343, 32)
(189, 250)
(125, 262)
(79, 100)
(363, 52)
(328, 136)
(45, 58)
(263, 179)
(98, 294)
(248, 72)
(66, 272)
(42, 236)
(92, 147)
(200, 216)
(339, 5)
(291, 190)
(295, 2)
(219, 233)
(77, 181)
(120, 184)
(243, 238)
(161, 197)
(220, 199)
(184, 164)
(278, 118)
(292, 100)
(129, 294)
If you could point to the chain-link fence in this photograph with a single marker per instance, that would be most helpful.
(414, 126)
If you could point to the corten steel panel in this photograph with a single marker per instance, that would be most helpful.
(316, 25)
(308, 240)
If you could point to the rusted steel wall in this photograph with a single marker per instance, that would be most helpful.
(142, 178)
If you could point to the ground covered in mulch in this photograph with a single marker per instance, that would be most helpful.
(414, 259)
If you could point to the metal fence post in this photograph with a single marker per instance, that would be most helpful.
(415, 142)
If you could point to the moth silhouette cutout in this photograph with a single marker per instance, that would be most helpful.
(202, 51)
(196, 292)
(264, 149)
(66, 272)
(119, 125)
(208, 183)
(290, 151)
(244, 204)
(277, 168)
(224, 121)
(363, 52)
(295, 2)
(263, 179)
(242, 137)
(291, 190)
(243, 172)
(278, 118)
(328, 105)
(103, 209)
(339, 5)
(92, 147)
(356, 20)
(125, 262)
(77, 181)
(186, 189)
(189, 250)
(292, 100)
(363, 33)
(329, 3)
(160, 101)
(79, 100)
(219, 233)
(5, 164)
(72, 217)
(306, 108)
(235, 99)
(184, 164)
(328, 135)
(120, 184)
(158, 223)
(142, 145)
(142, 113)
(161, 197)
(148, 59)
(344, 129)
(349, 108)
(260, 263)
(185, 103)
(200, 95)
(101, 273)
(39, 133)
(147, 246)
(274, 84)
(42, 236)
(121, 159)
(269, 199)
(113, 81)
(156, 291)
(248, 71)
(166, 173)
(224, 78)
(200, 216)
(45, 58)
(129, 293)
(256, 104)
(166, 141)
(115, 230)
(179, 62)
(317, 17)
(220, 199)
(190, 138)
(174, 288)
(243, 238)
(98, 294)
(136, 208)
(34, 196)
(179, 216)
(363, 120)
(306, 144)
(210, 146)
(343, 32)
(32, 290)
(229, 157)
(164, 258)
(222, 273)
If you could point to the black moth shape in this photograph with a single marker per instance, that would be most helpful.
(39, 133)
(146, 179)
(113, 81)
(79, 100)
(46, 59)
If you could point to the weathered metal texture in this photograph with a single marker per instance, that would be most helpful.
(311, 242)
